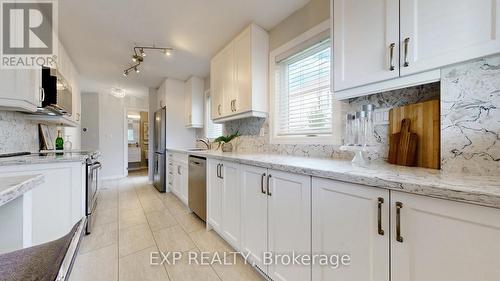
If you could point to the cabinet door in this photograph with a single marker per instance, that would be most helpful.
(345, 221)
(177, 179)
(364, 31)
(444, 32)
(228, 80)
(242, 100)
(214, 195)
(443, 240)
(254, 213)
(184, 183)
(216, 85)
(231, 221)
(188, 115)
(289, 216)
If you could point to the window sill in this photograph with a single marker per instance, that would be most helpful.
(319, 140)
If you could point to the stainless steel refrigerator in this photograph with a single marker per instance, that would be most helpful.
(159, 160)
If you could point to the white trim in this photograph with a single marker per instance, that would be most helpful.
(125, 136)
(335, 138)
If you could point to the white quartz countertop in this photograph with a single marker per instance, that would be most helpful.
(41, 158)
(12, 187)
(480, 190)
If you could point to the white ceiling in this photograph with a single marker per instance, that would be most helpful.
(99, 36)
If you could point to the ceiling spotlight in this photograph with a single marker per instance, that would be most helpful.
(125, 73)
(139, 55)
(143, 54)
(136, 70)
(168, 52)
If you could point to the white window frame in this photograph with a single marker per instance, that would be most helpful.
(336, 137)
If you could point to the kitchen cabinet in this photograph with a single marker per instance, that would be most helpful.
(214, 195)
(353, 219)
(58, 203)
(239, 77)
(194, 102)
(283, 226)
(20, 89)
(254, 214)
(178, 176)
(404, 43)
(231, 221)
(434, 239)
(224, 200)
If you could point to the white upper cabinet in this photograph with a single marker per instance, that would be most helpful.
(366, 42)
(437, 33)
(382, 45)
(434, 240)
(239, 77)
(193, 101)
(353, 219)
(20, 89)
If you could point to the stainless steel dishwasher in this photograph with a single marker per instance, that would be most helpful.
(197, 186)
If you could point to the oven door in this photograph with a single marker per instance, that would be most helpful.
(92, 191)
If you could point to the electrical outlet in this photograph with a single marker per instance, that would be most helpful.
(381, 116)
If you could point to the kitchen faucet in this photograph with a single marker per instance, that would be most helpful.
(206, 142)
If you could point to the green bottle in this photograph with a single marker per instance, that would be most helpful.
(59, 141)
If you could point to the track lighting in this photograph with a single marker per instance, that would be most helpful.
(139, 54)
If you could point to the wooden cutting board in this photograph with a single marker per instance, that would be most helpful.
(425, 123)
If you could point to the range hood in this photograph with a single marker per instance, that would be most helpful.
(58, 97)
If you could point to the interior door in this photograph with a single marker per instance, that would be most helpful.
(231, 220)
(438, 33)
(443, 240)
(346, 221)
(254, 213)
(289, 217)
(365, 34)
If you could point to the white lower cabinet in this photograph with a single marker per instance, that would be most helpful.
(179, 180)
(276, 218)
(231, 221)
(354, 220)
(443, 240)
(224, 200)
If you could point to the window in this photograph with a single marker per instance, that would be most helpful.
(302, 103)
(212, 130)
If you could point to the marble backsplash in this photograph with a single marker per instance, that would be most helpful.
(17, 133)
(255, 131)
(470, 117)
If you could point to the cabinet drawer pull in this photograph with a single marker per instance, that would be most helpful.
(391, 56)
(219, 109)
(262, 183)
(399, 206)
(218, 170)
(379, 220)
(268, 187)
(406, 43)
(221, 166)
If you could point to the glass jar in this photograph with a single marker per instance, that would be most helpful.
(349, 138)
(370, 129)
(361, 128)
(67, 144)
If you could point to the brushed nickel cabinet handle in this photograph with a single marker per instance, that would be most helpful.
(391, 55)
(268, 187)
(42, 94)
(262, 183)
(219, 109)
(399, 206)
(218, 166)
(221, 166)
(406, 43)
(379, 215)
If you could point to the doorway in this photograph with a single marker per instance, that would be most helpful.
(137, 140)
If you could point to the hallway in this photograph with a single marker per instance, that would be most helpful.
(132, 221)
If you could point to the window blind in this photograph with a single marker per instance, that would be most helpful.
(304, 101)
(212, 130)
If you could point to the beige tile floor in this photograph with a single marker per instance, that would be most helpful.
(133, 220)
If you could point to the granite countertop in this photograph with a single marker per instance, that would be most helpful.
(480, 190)
(42, 158)
(12, 187)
